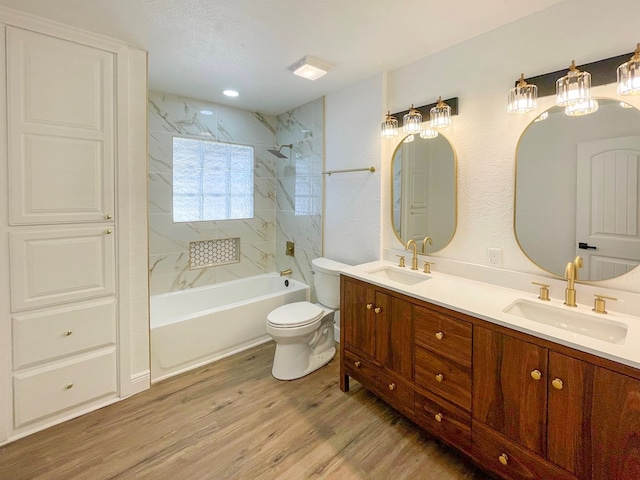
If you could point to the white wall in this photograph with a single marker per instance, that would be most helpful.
(479, 72)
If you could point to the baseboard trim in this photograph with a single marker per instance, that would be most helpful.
(140, 382)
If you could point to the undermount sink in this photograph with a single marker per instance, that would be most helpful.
(400, 276)
(600, 327)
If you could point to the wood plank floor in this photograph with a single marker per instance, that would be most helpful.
(233, 420)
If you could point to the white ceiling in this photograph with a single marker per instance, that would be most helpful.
(197, 48)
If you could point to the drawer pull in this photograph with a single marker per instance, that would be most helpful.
(108, 231)
(357, 363)
(377, 309)
(68, 333)
(504, 459)
(440, 335)
(369, 306)
(439, 377)
(438, 417)
(68, 386)
(536, 374)
(108, 216)
(557, 383)
(392, 386)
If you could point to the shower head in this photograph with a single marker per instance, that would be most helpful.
(277, 152)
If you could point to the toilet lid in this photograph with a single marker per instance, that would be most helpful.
(295, 314)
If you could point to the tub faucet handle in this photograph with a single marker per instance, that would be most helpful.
(288, 271)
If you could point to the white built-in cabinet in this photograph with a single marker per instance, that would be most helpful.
(64, 298)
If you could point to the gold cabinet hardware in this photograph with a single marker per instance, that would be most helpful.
(108, 231)
(599, 303)
(392, 386)
(439, 377)
(68, 386)
(544, 291)
(557, 383)
(108, 216)
(369, 306)
(377, 309)
(68, 333)
(438, 417)
(357, 363)
(504, 459)
(536, 374)
(440, 335)
(401, 261)
(427, 267)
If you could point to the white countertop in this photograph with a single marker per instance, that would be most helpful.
(487, 302)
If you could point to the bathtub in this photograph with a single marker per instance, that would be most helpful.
(193, 327)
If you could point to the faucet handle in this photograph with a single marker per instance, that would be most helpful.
(401, 264)
(544, 291)
(427, 267)
(599, 303)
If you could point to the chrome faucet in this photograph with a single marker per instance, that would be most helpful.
(424, 244)
(571, 274)
(414, 260)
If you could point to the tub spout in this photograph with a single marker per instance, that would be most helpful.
(288, 271)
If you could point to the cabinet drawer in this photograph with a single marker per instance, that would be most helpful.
(444, 420)
(54, 388)
(447, 336)
(55, 332)
(444, 377)
(499, 455)
(391, 388)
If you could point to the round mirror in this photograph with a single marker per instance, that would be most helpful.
(577, 192)
(423, 191)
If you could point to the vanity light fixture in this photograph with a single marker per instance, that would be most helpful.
(625, 105)
(582, 108)
(440, 115)
(409, 138)
(574, 87)
(523, 98)
(629, 75)
(311, 68)
(428, 133)
(542, 116)
(412, 121)
(389, 127)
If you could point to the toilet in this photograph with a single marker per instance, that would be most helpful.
(303, 331)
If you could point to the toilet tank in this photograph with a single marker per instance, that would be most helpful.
(327, 281)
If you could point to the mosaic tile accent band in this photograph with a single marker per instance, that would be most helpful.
(210, 253)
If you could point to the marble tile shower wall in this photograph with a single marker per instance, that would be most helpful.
(299, 189)
(169, 242)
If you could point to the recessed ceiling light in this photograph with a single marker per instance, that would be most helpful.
(310, 68)
(230, 93)
(206, 112)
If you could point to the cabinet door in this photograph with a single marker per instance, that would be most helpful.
(394, 336)
(358, 321)
(506, 397)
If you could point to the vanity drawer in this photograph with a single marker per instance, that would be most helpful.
(391, 388)
(48, 390)
(442, 334)
(499, 455)
(55, 332)
(443, 420)
(444, 377)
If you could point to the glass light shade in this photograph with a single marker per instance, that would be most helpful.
(412, 121)
(389, 127)
(428, 133)
(574, 87)
(543, 116)
(409, 138)
(582, 108)
(440, 115)
(523, 97)
(629, 75)
(625, 105)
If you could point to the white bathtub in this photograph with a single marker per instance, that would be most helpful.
(193, 327)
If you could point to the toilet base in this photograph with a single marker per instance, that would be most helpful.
(293, 361)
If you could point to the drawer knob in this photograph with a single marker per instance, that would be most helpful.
(536, 374)
(439, 377)
(369, 306)
(68, 386)
(357, 363)
(439, 335)
(108, 216)
(377, 309)
(504, 459)
(438, 417)
(108, 231)
(557, 383)
(392, 386)
(68, 333)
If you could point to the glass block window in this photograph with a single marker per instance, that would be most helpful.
(211, 180)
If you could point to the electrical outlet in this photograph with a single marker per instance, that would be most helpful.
(494, 256)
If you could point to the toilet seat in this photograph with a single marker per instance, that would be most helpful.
(292, 315)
